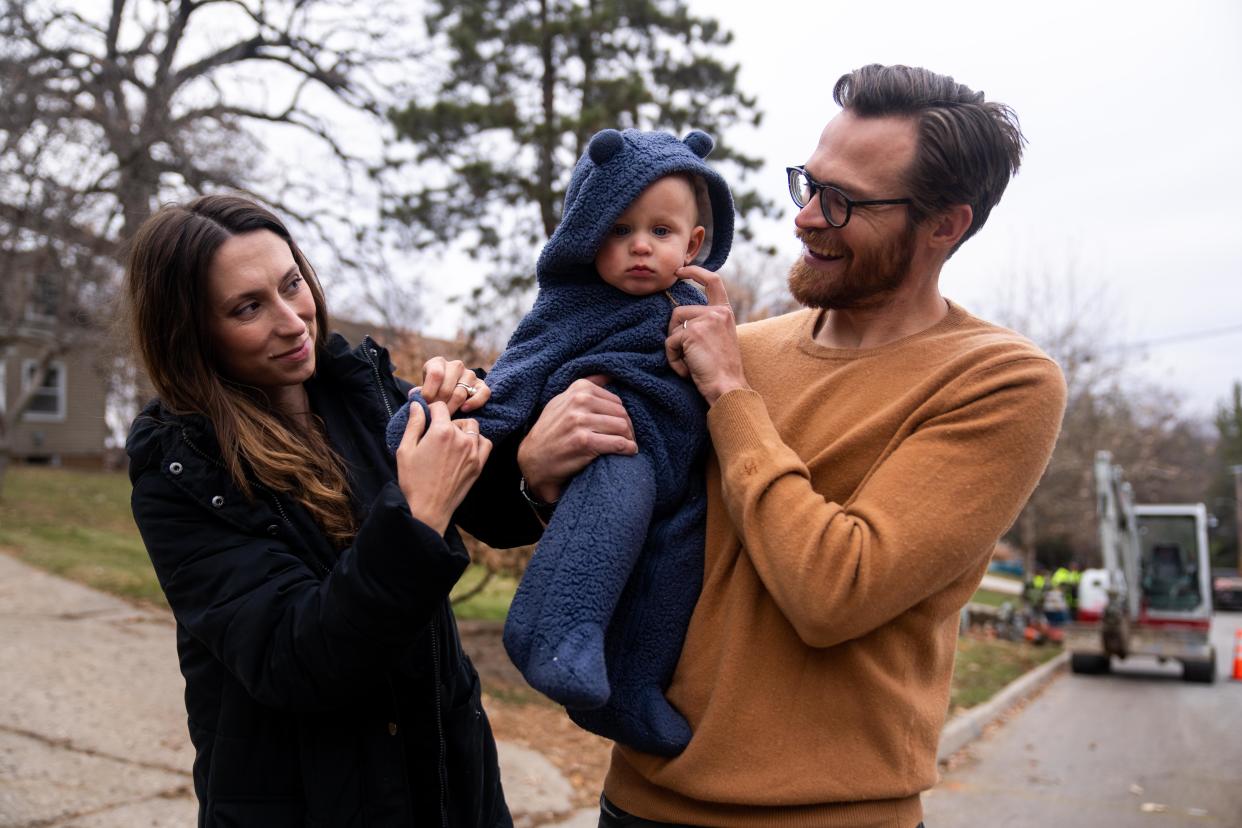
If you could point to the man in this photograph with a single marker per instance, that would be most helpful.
(1066, 580)
(869, 451)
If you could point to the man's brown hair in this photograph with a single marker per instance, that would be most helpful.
(968, 148)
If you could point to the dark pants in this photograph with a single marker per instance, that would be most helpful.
(611, 816)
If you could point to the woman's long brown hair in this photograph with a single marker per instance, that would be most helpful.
(166, 287)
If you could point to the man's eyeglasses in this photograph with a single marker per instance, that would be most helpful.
(836, 205)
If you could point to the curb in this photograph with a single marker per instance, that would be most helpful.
(968, 726)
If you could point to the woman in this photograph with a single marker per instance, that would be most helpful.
(308, 570)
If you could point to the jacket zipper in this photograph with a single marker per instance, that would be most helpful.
(276, 500)
(323, 570)
(213, 461)
(442, 769)
(370, 351)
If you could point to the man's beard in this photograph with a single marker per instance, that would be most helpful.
(870, 274)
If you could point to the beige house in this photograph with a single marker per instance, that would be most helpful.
(65, 422)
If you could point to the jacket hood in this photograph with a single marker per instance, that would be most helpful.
(154, 431)
(614, 170)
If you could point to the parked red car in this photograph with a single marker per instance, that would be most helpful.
(1227, 592)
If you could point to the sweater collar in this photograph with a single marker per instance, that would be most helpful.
(955, 317)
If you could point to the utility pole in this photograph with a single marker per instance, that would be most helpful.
(1237, 514)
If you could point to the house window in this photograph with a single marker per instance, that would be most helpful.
(44, 301)
(48, 403)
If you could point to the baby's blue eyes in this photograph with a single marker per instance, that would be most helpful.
(621, 230)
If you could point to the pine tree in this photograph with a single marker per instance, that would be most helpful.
(526, 86)
(1222, 496)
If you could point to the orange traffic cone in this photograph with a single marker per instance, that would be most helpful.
(1237, 655)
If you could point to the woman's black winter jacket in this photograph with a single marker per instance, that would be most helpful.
(323, 688)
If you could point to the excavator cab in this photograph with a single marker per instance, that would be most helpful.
(1170, 582)
(1155, 574)
(1172, 574)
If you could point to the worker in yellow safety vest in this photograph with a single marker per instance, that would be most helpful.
(1067, 581)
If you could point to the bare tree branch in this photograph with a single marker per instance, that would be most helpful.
(110, 111)
(1164, 453)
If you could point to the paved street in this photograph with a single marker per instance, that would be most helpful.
(1135, 748)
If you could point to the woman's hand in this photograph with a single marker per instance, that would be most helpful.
(576, 426)
(436, 466)
(455, 385)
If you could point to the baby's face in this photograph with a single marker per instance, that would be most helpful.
(656, 235)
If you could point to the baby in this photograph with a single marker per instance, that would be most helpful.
(598, 621)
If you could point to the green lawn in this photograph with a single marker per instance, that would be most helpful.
(78, 525)
(984, 666)
(994, 599)
(492, 604)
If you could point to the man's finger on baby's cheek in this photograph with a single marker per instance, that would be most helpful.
(717, 294)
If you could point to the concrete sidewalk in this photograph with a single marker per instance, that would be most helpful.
(92, 723)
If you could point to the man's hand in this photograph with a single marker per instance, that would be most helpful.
(702, 339)
(576, 426)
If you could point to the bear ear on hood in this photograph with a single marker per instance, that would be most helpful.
(604, 146)
(699, 142)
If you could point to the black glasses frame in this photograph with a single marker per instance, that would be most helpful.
(817, 190)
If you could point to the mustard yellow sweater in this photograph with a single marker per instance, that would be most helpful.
(853, 503)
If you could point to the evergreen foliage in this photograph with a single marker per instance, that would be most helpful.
(526, 85)
(1222, 497)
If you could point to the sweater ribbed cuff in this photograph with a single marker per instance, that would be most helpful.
(739, 422)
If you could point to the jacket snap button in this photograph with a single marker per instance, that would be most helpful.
(374, 352)
(217, 501)
(392, 728)
(273, 529)
(175, 467)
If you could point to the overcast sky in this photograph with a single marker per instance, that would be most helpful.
(1131, 185)
(1132, 179)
